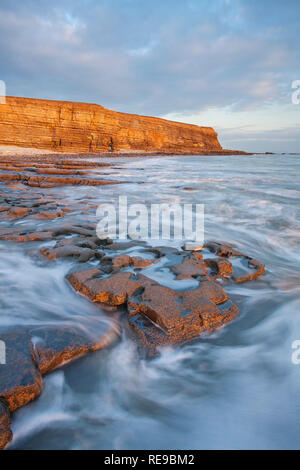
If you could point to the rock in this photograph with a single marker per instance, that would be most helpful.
(83, 254)
(78, 278)
(113, 290)
(51, 181)
(122, 246)
(42, 349)
(54, 345)
(162, 315)
(178, 316)
(259, 270)
(38, 236)
(5, 431)
(227, 251)
(147, 333)
(222, 249)
(19, 211)
(161, 251)
(123, 261)
(69, 229)
(60, 171)
(20, 379)
(78, 241)
(49, 215)
(30, 237)
(191, 267)
(139, 262)
(45, 181)
(90, 243)
(192, 246)
(220, 267)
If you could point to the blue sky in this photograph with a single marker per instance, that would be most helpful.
(225, 63)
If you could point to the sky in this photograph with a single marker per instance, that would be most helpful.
(229, 64)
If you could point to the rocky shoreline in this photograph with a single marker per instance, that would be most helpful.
(106, 272)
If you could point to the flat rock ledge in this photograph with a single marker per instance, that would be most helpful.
(160, 315)
(52, 170)
(34, 352)
(5, 431)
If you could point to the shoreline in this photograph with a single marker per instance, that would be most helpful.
(14, 150)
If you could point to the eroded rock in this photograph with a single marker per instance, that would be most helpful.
(191, 267)
(44, 181)
(19, 211)
(123, 261)
(220, 267)
(48, 215)
(176, 315)
(180, 315)
(20, 379)
(55, 345)
(28, 237)
(5, 431)
(255, 267)
(67, 251)
(113, 290)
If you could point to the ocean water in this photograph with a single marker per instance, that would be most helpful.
(235, 389)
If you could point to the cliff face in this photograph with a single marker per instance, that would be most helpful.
(80, 127)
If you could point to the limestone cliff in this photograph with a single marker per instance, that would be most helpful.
(80, 127)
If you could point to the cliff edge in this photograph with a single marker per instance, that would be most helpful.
(63, 126)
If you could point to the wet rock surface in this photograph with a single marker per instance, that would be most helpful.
(113, 290)
(36, 351)
(181, 316)
(20, 379)
(55, 346)
(5, 431)
(51, 171)
(158, 314)
(83, 254)
(249, 269)
(193, 266)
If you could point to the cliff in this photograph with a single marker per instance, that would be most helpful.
(79, 127)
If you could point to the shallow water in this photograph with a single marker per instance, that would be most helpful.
(237, 388)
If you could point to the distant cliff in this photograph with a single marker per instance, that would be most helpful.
(80, 127)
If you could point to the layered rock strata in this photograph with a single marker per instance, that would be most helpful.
(80, 127)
